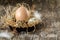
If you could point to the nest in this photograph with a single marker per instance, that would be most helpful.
(9, 20)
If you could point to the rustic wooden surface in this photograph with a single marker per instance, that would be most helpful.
(50, 10)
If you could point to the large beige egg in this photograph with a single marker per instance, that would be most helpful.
(22, 14)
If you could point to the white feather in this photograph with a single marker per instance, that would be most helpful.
(37, 15)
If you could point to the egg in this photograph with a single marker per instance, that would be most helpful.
(22, 14)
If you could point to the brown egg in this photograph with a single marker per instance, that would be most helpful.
(22, 14)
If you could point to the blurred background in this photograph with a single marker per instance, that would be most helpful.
(50, 11)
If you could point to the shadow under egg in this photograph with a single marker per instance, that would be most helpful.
(19, 30)
(22, 30)
(29, 29)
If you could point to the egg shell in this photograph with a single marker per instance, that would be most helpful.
(21, 14)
